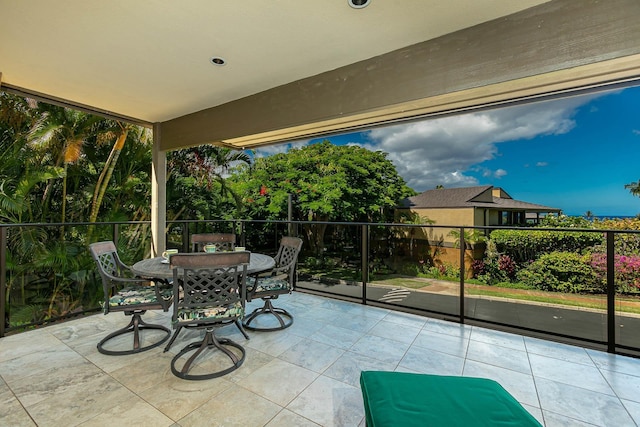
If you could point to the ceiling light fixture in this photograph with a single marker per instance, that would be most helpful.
(359, 4)
(216, 60)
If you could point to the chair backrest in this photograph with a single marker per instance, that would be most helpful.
(222, 241)
(287, 256)
(109, 264)
(208, 280)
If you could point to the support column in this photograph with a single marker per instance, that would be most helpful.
(158, 195)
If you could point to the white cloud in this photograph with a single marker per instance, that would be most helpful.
(542, 164)
(270, 150)
(441, 151)
(499, 173)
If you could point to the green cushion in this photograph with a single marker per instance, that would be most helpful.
(135, 295)
(405, 399)
(271, 284)
(234, 310)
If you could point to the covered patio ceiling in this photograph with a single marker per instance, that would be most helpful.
(298, 69)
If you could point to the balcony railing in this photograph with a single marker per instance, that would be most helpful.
(407, 267)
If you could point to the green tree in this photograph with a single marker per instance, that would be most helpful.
(327, 182)
(633, 187)
(197, 181)
(60, 134)
(21, 171)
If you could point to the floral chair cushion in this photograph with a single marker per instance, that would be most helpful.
(234, 310)
(271, 284)
(135, 295)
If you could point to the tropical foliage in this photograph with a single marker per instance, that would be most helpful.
(61, 167)
(326, 183)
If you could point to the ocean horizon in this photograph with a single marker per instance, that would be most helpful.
(601, 217)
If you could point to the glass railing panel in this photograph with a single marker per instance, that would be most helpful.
(263, 236)
(627, 286)
(409, 269)
(518, 282)
(179, 232)
(330, 261)
(50, 272)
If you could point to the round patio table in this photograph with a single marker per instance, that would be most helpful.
(158, 267)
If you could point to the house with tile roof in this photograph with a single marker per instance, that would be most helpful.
(468, 206)
(474, 206)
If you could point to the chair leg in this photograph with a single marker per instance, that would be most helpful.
(135, 325)
(284, 318)
(173, 338)
(210, 341)
(239, 325)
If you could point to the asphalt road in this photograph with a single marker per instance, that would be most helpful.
(583, 324)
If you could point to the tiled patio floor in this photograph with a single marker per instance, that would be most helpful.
(306, 375)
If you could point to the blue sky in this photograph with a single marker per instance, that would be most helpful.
(575, 154)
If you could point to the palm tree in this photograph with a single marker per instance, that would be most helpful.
(20, 174)
(59, 136)
(634, 187)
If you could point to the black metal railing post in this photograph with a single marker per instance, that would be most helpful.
(611, 294)
(185, 238)
(115, 233)
(462, 273)
(364, 258)
(3, 280)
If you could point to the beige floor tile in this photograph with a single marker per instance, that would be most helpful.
(18, 345)
(287, 418)
(134, 412)
(234, 407)
(176, 397)
(330, 403)
(68, 379)
(78, 404)
(144, 374)
(109, 363)
(11, 411)
(268, 381)
(31, 364)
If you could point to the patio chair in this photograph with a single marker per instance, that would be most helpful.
(213, 295)
(222, 241)
(271, 285)
(123, 291)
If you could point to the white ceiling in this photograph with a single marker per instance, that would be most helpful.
(149, 59)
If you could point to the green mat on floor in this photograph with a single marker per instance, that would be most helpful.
(404, 399)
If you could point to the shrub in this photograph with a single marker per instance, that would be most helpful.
(565, 221)
(495, 268)
(507, 265)
(478, 267)
(624, 243)
(524, 245)
(444, 271)
(561, 272)
(627, 271)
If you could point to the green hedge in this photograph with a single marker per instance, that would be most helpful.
(528, 245)
(561, 272)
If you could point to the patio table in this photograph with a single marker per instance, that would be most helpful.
(158, 267)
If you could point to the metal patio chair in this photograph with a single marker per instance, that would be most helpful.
(269, 286)
(125, 292)
(222, 241)
(213, 292)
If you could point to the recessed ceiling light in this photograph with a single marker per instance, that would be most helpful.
(359, 4)
(216, 60)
